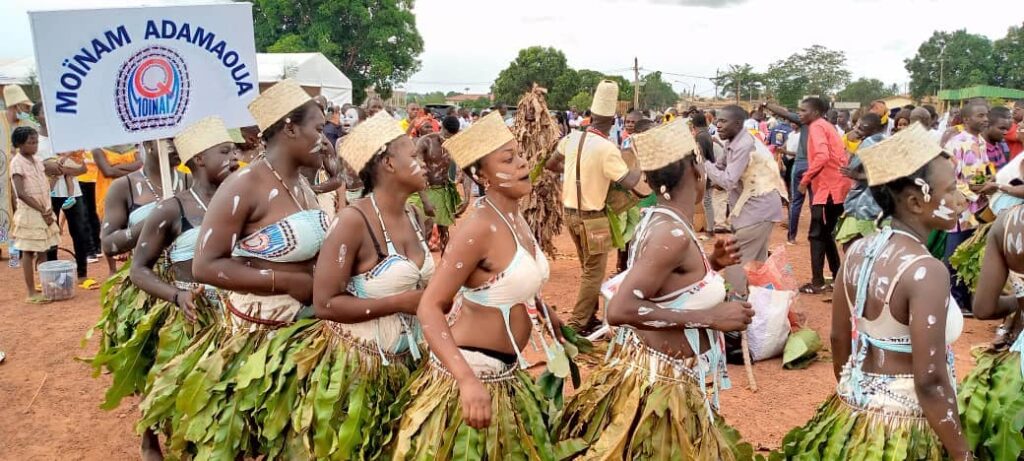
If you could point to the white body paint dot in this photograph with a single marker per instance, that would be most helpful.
(234, 205)
(273, 193)
(920, 273)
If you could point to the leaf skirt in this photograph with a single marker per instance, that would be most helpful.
(432, 427)
(644, 405)
(991, 402)
(125, 331)
(839, 430)
(302, 391)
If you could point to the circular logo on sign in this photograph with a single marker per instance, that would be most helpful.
(152, 89)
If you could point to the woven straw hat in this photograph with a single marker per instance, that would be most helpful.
(199, 136)
(899, 156)
(368, 138)
(277, 102)
(14, 95)
(481, 138)
(606, 98)
(662, 145)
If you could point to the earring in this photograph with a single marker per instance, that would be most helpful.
(664, 193)
(925, 189)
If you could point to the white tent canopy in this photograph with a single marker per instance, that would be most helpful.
(17, 71)
(308, 69)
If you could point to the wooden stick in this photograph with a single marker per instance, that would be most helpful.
(751, 382)
(30, 402)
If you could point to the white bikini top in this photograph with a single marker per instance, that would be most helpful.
(705, 293)
(885, 327)
(519, 283)
(393, 274)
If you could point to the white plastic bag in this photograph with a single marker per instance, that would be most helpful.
(769, 328)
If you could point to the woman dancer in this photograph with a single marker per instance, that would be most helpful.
(258, 243)
(129, 201)
(991, 396)
(672, 306)
(370, 275)
(473, 399)
(162, 265)
(893, 319)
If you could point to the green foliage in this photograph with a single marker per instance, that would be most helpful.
(963, 59)
(581, 101)
(657, 93)
(548, 68)
(865, 90)
(1009, 54)
(534, 64)
(814, 71)
(743, 77)
(374, 42)
(967, 259)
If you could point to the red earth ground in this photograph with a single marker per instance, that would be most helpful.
(49, 401)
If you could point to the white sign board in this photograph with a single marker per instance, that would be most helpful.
(115, 76)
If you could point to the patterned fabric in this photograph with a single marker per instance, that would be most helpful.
(859, 203)
(33, 175)
(970, 157)
(295, 238)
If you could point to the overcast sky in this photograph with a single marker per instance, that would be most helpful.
(467, 42)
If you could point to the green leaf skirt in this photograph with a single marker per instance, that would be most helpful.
(839, 430)
(303, 391)
(432, 427)
(991, 401)
(639, 406)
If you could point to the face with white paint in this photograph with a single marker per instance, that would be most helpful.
(302, 137)
(506, 172)
(403, 163)
(943, 210)
(217, 162)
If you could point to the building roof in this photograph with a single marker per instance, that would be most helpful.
(980, 91)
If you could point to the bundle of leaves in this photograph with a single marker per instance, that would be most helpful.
(537, 133)
(969, 256)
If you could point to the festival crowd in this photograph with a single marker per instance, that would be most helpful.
(284, 301)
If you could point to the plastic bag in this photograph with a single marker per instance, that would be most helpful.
(769, 328)
(775, 273)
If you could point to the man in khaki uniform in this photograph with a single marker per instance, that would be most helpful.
(601, 165)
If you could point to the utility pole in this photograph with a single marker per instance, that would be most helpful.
(716, 84)
(737, 89)
(636, 83)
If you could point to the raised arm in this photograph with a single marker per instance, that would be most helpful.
(339, 257)
(631, 304)
(782, 112)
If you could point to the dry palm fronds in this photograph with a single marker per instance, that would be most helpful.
(537, 133)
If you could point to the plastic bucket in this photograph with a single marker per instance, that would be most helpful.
(58, 279)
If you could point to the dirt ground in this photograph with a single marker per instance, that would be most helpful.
(49, 401)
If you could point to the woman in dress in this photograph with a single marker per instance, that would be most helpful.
(162, 265)
(649, 400)
(474, 400)
(893, 320)
(258, 243)
(990, 398)
(130, 199)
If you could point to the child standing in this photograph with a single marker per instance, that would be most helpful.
(35, 229)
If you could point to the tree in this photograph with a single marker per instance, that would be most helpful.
(656, 93)
(1009, 54)
(581, 101)
(374, 42)
(743, 77)
(954, 59)
(543, 65)
(865, 90)
(815, 71)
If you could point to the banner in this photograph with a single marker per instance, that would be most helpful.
(125, 75)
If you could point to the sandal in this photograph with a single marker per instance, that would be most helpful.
(89, 284)
(37, 299)
(812, 289)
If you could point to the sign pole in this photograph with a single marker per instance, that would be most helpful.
(165, 170)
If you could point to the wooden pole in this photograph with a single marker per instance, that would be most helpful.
(165, 170)
(636, 84)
